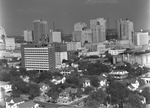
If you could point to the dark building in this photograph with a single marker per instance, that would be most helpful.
(59, 47)
(111, 34)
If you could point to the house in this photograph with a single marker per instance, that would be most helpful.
(58, 80)
(14, 102)
(102, 81)
(134, 84)
(65, 96)
(42, 98)
(67, 70)
(28, 104)
(44, 88)
(25, 78)
(86, 82)
(6, 85)
(146, 78)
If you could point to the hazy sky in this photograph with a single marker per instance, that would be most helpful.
(17, 15)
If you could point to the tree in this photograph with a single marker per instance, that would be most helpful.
(96, 69)
(34, 90)
(118, 93)
(18, 87)
(135, 101)
(88, 90)
(54, 93)
(98, 96)
(5, 76)
(94, 81)
(44, 75)
(146, 94)
(74, 80)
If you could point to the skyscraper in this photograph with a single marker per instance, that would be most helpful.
(98, 27)
(40, 30)
(125, 30)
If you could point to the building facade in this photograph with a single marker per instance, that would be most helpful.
(73, 46)
(125, 30)
(38, 57)
(142, 59)
(98, 27)
(40, 30)
(56, 37)
(10, 43)
(59, 56)
(141, 38)
(28, 35)
(80, 26)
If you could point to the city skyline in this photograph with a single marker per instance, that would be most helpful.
(18, 15)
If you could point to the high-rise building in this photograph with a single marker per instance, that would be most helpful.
(141, 38)
(40, 30)
(125, 30)
(38, 57)
(98, 27)
(28, 35)
(80, 26)
(2, 34)
(86, 36)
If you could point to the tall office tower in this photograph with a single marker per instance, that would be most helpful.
(125, 30)
(44, 30)
(98, 27)
(38, 57)
(80, 26)
(40, 30)
(28, 35)
(141, 38)
(86, 36)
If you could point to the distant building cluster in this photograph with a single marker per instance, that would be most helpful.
(45, 49)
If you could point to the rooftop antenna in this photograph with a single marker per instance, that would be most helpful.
(108, 23)
(53, 26)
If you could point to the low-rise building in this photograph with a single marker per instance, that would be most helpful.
(6, 86)
(116, 51)
(29, 104)
(14, 102)
(73, 46)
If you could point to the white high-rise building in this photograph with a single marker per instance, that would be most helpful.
(98, 27)
(141, 38)
(28, 34)
(10, 43)
(80, 26)
(86, 36)
(125, 30)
